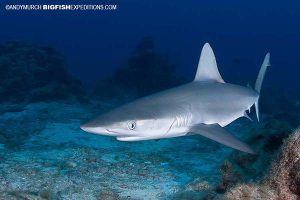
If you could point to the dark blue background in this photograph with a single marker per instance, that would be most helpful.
(95, 43)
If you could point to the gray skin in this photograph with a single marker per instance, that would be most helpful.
(187, 105)
(201, 107)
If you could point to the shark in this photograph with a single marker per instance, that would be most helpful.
(201, 107)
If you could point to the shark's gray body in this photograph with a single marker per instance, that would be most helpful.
(202, 107)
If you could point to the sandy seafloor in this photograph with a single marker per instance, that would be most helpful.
(60, 158)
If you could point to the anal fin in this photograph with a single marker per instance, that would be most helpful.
(219, 134)
(247, 116)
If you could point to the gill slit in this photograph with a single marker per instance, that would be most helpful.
(184, 120)
(170, 127)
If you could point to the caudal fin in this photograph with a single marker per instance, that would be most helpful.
(260, 79)
(262, 72)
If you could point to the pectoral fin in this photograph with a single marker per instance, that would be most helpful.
(219, 134)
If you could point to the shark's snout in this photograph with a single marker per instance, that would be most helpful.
(84, 127)
(96, 130)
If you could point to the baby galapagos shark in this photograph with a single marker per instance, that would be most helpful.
(201, 107)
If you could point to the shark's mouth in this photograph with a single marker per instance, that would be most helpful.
(135, 138)
(116, 133)
(109, 132)
(112, 132)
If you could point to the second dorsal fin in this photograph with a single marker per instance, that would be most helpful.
(207, 68)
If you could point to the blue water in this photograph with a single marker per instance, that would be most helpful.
(65, 67)
(96, 43)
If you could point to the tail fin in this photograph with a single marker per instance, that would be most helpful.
(260, 79)
(262, 72)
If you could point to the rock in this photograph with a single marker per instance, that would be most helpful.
(71, 164)
(249, 192)
(34, 73)
(46, 195)
(108, 195)
(229, 177)
(143, 172)
(198, 185)
(285, 173)
(67, 164)
(136, 78)
(283, 180)
(294, 176)
(25, 195)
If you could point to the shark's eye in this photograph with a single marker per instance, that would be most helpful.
(131, 125)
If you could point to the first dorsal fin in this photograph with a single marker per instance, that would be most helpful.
(207, 67)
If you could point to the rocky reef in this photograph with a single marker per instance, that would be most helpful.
(146, 72)
(283, 180)
(31, 73)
